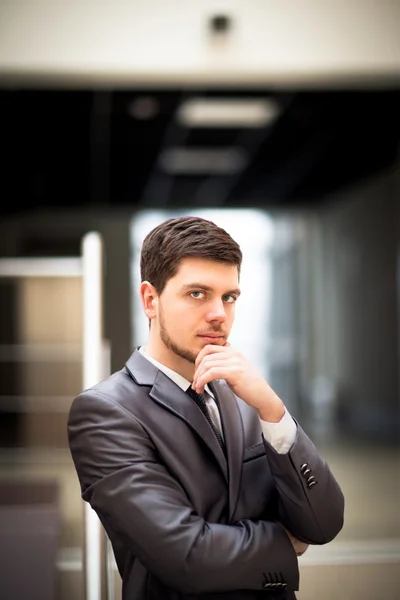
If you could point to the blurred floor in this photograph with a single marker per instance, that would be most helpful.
(369, 474)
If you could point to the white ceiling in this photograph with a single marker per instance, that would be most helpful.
(167, 42)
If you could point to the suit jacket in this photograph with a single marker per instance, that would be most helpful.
(186, 522)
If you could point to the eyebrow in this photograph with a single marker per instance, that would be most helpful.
(207, 288)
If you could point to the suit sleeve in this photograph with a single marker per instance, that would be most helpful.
(311, 503)
(126, 483)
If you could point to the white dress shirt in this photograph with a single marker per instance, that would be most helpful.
(280, 436)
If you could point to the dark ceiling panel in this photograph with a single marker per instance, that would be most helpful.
(103, 148)
(46, 144)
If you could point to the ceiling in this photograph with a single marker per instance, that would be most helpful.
(108, 148)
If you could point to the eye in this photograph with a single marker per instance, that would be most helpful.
(229, 298)
(197, 295)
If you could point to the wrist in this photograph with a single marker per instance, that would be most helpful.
(267, 403)
(272, 412)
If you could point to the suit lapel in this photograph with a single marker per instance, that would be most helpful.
(171, 397)
(234, 439)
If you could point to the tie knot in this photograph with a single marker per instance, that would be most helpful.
(199, 398)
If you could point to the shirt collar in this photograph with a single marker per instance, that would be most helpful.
(180, 381)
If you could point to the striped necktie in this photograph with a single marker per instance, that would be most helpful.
(202, 404)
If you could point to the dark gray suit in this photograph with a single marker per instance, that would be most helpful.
(184, 521)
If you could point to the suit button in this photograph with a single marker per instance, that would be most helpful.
(303, 468)
(311, 483)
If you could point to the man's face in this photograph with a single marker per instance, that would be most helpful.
(197, 306)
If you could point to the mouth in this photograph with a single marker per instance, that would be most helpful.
(212, 337)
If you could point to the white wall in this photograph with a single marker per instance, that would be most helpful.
(277, 42)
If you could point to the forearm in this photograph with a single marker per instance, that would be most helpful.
(313, 512)
(189, 554)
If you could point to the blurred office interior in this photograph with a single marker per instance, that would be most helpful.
(281, 122)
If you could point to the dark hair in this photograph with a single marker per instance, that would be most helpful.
(175, 239)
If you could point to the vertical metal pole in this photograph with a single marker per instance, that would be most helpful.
(108, 550)
(95, 545)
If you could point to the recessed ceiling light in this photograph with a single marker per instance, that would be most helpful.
(228, 112)
(203, 161)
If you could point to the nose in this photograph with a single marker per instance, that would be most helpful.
(216, 311)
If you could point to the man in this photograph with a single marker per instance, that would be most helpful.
(205, 484)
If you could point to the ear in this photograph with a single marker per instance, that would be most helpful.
(149, 297)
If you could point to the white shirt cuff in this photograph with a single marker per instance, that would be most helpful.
(281, 435)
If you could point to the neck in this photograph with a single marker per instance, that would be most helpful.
(159, 351)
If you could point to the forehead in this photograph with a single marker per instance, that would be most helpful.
(209, 272)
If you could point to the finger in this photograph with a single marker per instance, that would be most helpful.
(208, 349)
(210, 375)
(215, 356)
(211, 360)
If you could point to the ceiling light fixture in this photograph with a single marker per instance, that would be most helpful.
(203, 161)
(228, 112)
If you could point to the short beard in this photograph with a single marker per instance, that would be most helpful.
(166, 339)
